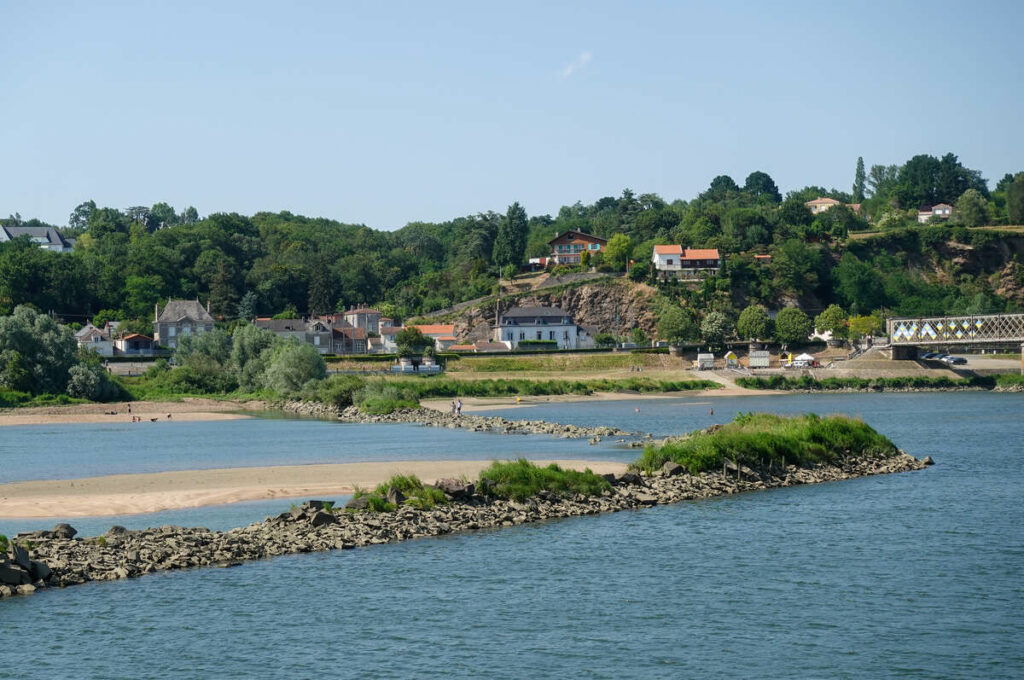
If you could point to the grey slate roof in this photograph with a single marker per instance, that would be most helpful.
(47, 234)
(519, 312)
(177, 310)
(281, 325)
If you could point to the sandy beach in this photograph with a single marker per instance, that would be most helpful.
(139, 493)
(184, 410)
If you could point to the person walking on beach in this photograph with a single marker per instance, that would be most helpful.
(453, 407)
(458, 407)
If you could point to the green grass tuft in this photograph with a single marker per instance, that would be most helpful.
(758, 439)
(521, 479)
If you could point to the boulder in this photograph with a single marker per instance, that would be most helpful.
(25, 589)
(38, 571)
(321, 518)
(927, 460)
(646, 499)
(672, 469)
(64, 531)
(12, 575)
(116, 530)
(630, 478)
(610, 478)
(456, 488)
(360, 503)
(20, 557)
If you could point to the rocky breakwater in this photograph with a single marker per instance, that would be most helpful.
(59, 558)
(475, 423)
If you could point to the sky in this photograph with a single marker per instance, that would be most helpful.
(384, 113)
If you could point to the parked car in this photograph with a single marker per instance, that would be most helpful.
(953, 361)
(930, 355)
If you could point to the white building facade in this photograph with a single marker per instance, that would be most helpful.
(541, 323)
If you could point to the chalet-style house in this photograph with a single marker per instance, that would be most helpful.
(675, 261)
(135, 344)
(568, 247)
(940, 211)
(46, 238)
(821, 204)
(178, 318)
(540, 323)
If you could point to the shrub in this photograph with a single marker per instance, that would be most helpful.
(418, 494)
(337, 390)
(522, 479)
(383, 397)
(756, 439)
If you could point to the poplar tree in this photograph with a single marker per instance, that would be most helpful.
(859, 180)
(510, 241)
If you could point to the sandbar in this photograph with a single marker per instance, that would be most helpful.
(153, 492)
(146, 411)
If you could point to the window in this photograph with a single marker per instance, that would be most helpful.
(508, 336)
(595, 246)
(565, 335)
(669, 261)
(540, 335)
(522, 335)
(172, 331)
(316, 340)
(551, 335)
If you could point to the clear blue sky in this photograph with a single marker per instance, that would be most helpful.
(390, 112)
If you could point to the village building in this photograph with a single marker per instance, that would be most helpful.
(179, 318)
(442, 333)
(349, 340)
(315, 332)
(568, 247)
(675, 261)
(92, 338)
(940, 211)
(46, 238)
(540, 323)
(365, 318)
(822, 204)
(135, 344)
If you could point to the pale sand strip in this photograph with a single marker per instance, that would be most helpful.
(132, 494)
(184, 410)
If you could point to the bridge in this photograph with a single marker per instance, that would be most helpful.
(906, 334)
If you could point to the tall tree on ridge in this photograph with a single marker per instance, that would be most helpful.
(510, 241)
(859, 180)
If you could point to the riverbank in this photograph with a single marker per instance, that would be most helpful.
(189, 409)
(57, 558)
(154, 492)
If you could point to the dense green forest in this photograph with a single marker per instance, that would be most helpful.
(125, 261)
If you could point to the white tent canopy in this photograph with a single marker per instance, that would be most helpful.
(804, 357)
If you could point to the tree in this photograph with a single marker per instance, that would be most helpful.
(676, 325)
(510, 241)
(412, 340)
(832, 320)
(864, 326)
(859, 180)
(616, 252)
(36, 354)
(792, 326)
(79, 218)
(715, 328)
(754, 323)
(292, 365)
(857, 285)
(760, 184)
(88, 380)
(972, 209)
(248, 306)
(721, 187)
(1015, 200)
(250, 353)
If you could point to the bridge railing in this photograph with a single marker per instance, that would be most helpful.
(966, 329)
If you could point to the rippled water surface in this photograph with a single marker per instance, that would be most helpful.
(906, 576)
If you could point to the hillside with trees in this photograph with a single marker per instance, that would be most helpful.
(126, 261)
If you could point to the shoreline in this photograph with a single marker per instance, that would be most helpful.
(113, 495)
(186, 410)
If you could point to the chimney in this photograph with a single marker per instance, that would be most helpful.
(156, 311)
(207, 305)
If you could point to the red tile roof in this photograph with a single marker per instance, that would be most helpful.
(436, 328)
(701, 254)
(462, 348)
(822, 201)
(668, 250)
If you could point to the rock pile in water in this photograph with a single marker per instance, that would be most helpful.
(475, 423)
(59, 558)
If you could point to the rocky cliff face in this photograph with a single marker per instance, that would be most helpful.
(612, 306)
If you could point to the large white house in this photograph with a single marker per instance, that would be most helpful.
(46, 238)
(541, 323)
(682, 262)
(91, 337)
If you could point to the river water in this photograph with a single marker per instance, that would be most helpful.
(915, 575)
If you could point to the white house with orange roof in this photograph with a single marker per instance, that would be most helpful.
(442, 333)
(667, 258)
(676, 261)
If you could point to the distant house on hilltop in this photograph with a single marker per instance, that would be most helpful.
(940, 211)
(821, 204)
(568, 248)
(178, 318)
(46, 238)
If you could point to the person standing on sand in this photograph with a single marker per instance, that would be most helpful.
(458, 407)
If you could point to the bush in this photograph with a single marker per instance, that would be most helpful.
(291, 366)
(522, 479)
(382, 397)
(337, 390)
(759, 439)
(781, 382)
(538, 344)
(501, 387)
(418, 494)
(12, 398)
